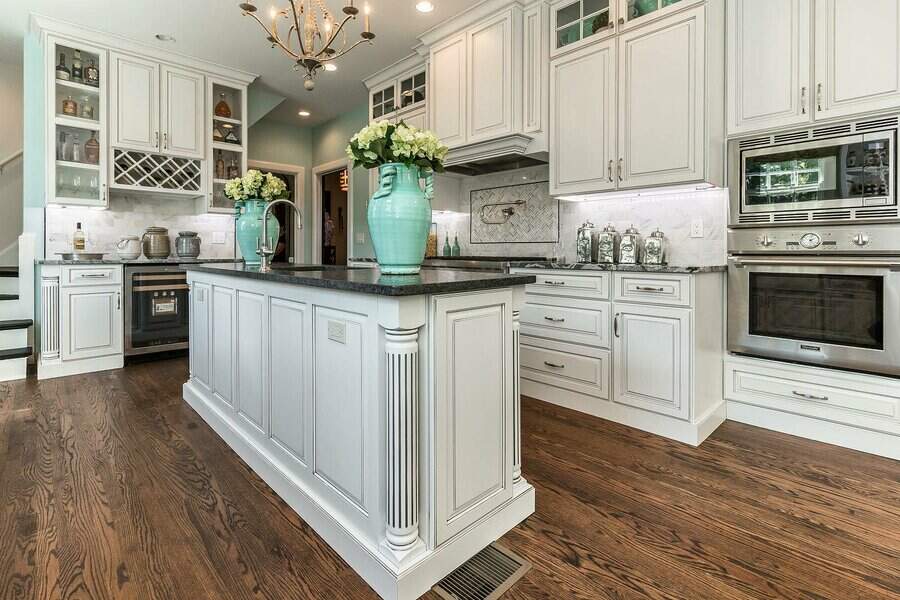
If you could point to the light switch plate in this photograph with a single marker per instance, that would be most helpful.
(337, 331)
(360, 238)
(218, 237)
(697, 228)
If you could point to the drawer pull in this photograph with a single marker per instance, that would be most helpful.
(643, 288)
(94, 276)
(810, 396)
(548, 282)
(555, 319)
(554, 365)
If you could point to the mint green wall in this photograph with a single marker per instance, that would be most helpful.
(274, 141)
(34, 141)
(329, 141)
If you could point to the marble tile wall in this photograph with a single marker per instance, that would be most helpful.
(129, 215)
(671, 212)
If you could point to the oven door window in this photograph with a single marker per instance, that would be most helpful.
(844, 310)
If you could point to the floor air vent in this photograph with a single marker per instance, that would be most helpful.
(485, 576)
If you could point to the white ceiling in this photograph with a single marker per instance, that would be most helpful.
(215, 30)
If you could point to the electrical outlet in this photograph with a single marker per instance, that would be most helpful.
(360, 238)
(697, 228)
(218, 237)
(337, 331)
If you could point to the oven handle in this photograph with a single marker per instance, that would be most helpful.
(873, 264)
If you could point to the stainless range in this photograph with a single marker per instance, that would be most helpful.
(825, 296)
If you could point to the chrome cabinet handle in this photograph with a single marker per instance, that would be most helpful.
(819, 97)
(165, 141)
(548, 282)
(105, 194)
(616, 325)
(554, 319)
(609, 170)
(810, 396)
(94, 276)
(118, 300)
(803, 100)
(619, 168)
(621, 20)
(612, 24)
(156, 139)
(642, 288)
(554, 365)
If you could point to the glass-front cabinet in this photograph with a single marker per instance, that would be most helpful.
(77, 148)
(639, 9)
(226, 103)
(399, 97)
(581, 20)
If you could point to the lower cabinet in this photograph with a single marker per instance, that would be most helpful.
(91, 322)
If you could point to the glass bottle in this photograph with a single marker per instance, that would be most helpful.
(431, 246)
(92, 149)
(77, 72)
(447, 250)
(87, 111)
(455, 250)
(92, 74)
(62, 71)
(76, 150)
(69, 107)
(222, 109)
(233, 170)
(78, 239)
(220, 166)
(61, 145)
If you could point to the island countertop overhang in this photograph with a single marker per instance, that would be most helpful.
(371, 281)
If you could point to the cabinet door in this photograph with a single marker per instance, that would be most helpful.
(200, 338)
(491, 80)
(134, 103)
(474, 415)
(583, 120)
(92, 322)
(857, 56)
(182, 112)
(447, 103)
(662, 101)
(769, 56)
(652, 358)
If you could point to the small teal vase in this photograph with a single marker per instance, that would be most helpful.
(399, 218)
(248, 227)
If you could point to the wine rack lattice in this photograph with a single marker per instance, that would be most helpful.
(156, 171)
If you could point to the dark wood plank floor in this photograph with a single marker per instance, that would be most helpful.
(111, 487)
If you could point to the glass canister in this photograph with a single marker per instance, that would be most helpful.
(655, 248)
(608, 245)
(583, 242)
(630, 247)
(431, 247)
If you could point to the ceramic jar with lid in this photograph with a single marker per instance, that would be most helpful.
(655, 248)
(608, 245)
(187, 245)
(156, 242)
(630, 247)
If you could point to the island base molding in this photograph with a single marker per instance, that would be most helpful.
(391, 582)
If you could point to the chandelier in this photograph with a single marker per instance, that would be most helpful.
(320, 39)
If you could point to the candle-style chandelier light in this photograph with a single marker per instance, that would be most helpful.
(317, 33)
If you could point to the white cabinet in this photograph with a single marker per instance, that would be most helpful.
(199, 319)
(652, 366)
(857, 56)
(661, 101)
(156, 107)
(91, 322)
(583, 120)
(490, 78)
(447, 104)
(769, 58)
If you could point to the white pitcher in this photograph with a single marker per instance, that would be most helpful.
(129, 247)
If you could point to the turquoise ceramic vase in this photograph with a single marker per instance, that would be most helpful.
(399, 218)
(248, 227)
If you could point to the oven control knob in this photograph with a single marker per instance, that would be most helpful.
(765, 241)
(861, 239)
(810, 241)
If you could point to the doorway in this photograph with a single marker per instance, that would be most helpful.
(332, 213)
(289, 248)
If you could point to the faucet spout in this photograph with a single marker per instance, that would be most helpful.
(263, 248)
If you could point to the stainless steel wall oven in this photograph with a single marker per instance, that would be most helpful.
(157, 309)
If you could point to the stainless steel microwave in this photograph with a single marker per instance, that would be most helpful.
(831, 173)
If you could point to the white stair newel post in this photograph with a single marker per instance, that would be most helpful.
(402, 350)
(517, 404)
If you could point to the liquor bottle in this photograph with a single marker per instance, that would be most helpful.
(62, 71)
(220, 166)
(447, 251)
(233, 170)
(76, 67)
(87, 111)
(78, 239)
(455, 250)
(70, 107)
(76, 150)
(92, 149)
(61, 145)
(92, 74)
(222, 109)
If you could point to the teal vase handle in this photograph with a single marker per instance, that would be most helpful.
(429, 185)
(238, 207)
(386, 181)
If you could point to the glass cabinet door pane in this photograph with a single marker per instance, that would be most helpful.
(568, 14)
(639, 8)
(77, 183)
(567, 35)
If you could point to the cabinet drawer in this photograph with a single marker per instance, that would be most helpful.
(579, 321)
(564, 283)
(843, 397)
(93, 275)
(653, 289)
(584, 374)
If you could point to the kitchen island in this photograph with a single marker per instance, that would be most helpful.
(384, 410)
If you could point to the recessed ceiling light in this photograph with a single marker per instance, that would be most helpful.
(424, 6)
(164, 37)
(303, 113)
(330, 67)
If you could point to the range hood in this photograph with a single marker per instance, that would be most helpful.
(493, 156)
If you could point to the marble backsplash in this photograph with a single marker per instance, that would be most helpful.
(131, 216)
(672, 212)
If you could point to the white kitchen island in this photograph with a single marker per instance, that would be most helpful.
(385, 411)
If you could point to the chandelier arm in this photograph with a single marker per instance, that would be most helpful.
(272, 34)
(348, 50)
(333, 35)
(296, 27)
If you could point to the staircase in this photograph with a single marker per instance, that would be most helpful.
(16, 312)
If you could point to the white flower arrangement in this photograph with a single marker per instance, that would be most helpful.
(383, 142)
(255, 185)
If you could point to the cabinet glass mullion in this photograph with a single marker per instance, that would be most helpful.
(580, 20)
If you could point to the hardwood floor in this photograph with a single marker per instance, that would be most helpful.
(111, 487)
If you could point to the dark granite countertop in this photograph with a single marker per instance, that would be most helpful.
(172, 260)
(371, 281)
(678, 269)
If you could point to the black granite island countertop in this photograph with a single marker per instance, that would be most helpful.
(172, 260)
(679, 269)
(371, 281)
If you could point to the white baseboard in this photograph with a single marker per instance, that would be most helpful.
(13, 369)
(49, 370)
(829, 432)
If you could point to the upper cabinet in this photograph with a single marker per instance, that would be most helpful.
(791, 62)
(488, 61)
(399, 92)
(643, 107)
(447, 106)
(575, 23)
(181, 112)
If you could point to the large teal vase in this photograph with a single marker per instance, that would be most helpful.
(399, 218)
(248, 228)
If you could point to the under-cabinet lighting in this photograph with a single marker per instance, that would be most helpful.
(663, 191)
